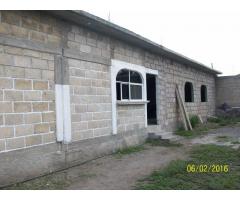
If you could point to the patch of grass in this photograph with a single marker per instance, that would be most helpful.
(56, 181)
(199, 130)
(165, 143)
(129, 150)
(212, 123)
(223, 138)
(235, 142)
(175, 175)
(225, 121)
(194, 120)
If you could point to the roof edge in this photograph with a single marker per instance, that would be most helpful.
(108, 28)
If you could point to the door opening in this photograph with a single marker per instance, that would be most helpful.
(151, 97)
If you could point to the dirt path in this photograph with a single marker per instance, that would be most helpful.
(112, 172)
(122, 173)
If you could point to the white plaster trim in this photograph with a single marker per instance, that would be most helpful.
(63, 113)
(59, 112)
(67, 136)
(116, 66)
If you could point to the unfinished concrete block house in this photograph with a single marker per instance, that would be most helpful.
(74, 87)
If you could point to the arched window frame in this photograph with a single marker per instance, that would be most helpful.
(191, 90)
(129, 83)
(205, 97)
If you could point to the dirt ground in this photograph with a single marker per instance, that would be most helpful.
(123, 172)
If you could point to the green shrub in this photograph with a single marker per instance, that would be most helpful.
(194, 120)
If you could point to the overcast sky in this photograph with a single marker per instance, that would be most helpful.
(207, 31)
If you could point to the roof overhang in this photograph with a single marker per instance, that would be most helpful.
(100, 25)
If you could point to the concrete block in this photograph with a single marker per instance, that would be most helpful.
(14, 72)
(47, 75)
(37, 36)
(29, 23)
(22, 107)
(22, 61)
(6, 107)
(6, 59)
(1, 119)
(39, 63)
(13, 95)
(1, 95)
(2, 145)
(32, 73)
(85, 48)
(15, 143)
(5, 29)
(19, 32)
(41, 128)
(13, 119)
(48, 117)
(10, 17)
(31, 53)
(49, 137)
(24, 130)
(32, 96)
(40, 85)
(40, 106)
(6, 132)
(22, 84)
(32, 118)
(48, 96)
(33, 140)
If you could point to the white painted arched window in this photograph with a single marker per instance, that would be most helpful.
(129, 85)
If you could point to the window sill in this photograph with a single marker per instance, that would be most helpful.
(140, 102)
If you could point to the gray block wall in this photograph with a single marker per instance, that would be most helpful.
(228, 90)
(29, 42)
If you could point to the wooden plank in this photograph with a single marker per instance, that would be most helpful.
(181, 109)
(186, 117)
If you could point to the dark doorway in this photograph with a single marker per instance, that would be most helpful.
(151, 97)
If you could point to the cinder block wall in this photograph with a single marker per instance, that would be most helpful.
(27, 99)
(228, 90)
(27, 81)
